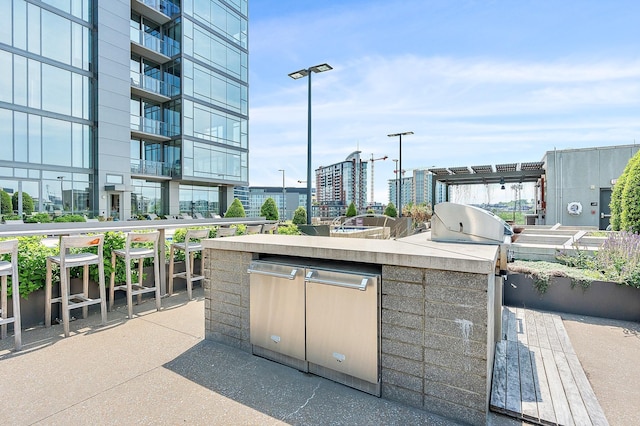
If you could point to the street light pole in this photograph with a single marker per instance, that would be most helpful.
(61, 179)
(400, 160)
(284, 197)
(296, 75)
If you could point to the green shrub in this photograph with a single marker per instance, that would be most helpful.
(6, 206)
(300, 216)
(235, 209)
(269, 209)
(39, 218)
(390, 210)
(288, 229)
(70, 218)
(370, 211)
(630, 200)
(351, 210)
(616, 204)
(11, 217)
(27, 202)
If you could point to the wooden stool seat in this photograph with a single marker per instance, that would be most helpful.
(67, 260)
(129, 254)
(190, 247)
(10, 269)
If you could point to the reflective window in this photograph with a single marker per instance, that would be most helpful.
(6, 82)
(57, 44)
(207, 123)
(222, 19)
(20, 136)
(56, 89)
(6, 134)
(34, 29)
(199, 199)
(20, 24)
(5, 22)
(146, 197)
(56, 135)
(19, 80)
(35, 139)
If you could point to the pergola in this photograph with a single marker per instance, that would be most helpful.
(486, 174)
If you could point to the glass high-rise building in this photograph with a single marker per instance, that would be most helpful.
(340, 184)
(124, 107)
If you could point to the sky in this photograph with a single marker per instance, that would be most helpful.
(477, 81)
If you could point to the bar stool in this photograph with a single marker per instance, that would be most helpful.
(6, 269)
(190, 246)
(225, 232)
(136, 248)
(66, 260)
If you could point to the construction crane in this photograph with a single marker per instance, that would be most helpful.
(372, 186)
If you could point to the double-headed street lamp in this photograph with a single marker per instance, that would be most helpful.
(400, 169)
(296, 75)
(284, 197)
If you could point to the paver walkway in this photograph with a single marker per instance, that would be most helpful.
(537, 376)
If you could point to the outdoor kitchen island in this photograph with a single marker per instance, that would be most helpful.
(438, 309)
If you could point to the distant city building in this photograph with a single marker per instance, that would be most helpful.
(406, 192)
(242, 194)
(421, 188)
(294, 198)
(340, 184)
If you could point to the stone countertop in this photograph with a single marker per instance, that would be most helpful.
(416, 251)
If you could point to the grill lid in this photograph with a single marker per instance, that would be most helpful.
(453, 222)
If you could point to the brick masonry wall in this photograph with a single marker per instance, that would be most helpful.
(226, 289)
(434, 341)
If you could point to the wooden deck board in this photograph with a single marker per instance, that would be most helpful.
(537, 375)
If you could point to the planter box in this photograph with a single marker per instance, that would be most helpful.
(601, 299)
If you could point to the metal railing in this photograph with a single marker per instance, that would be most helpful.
(153, 168)
(162, 6)
(155, 127)
(153, 42)
(153, 84)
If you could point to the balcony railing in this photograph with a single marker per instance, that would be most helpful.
(155, 127)
(162, 6)
(153, 84)
(152, 168)
(153, 42)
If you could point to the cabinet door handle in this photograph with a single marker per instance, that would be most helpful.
(362, 286)
(290, 276)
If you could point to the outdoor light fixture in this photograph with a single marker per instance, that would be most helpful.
(502, 183)
(296, 75)
(400, 168)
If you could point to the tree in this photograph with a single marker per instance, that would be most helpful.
(269, 209)
(390, 210)
(616, 204)
(27, 202)
(235, 209)
(630, 200)
(351, 210)
(300, 216)
(5, 203)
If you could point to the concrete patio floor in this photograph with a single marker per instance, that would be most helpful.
(158, 369)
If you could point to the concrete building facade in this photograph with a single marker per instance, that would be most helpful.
(124, 107)
(577, 185)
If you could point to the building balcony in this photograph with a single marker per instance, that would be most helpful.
(160, 11)
(151, 46)
(151, 88)
(146, 168)
(147, 128)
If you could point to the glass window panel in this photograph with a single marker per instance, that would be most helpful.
(20, 24)
(63, 5)
(233, 96)
(35, 139)
(77, 145)
(20, 80)
(85, 98)
(233, 26)
(218, 90)
(77, 48)
(21, 172)
(77, 95)
(34, 29)
(6, 82)
(6, 134)
(202, 9)
(34, 84)
(5, 22)
(87, 147)
(56, 89)
(57, 44)
(20, 133)
(219, 17)
(56, 135)
(76, 8)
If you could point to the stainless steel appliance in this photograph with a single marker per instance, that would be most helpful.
(276, 310)
(343, 326)
(311, 317)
